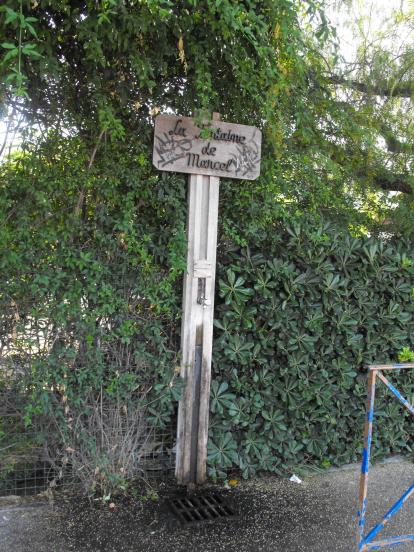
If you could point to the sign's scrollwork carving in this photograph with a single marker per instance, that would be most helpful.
(231, 151)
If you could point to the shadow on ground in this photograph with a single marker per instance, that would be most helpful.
(274, 515)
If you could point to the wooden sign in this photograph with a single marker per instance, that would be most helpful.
(229, 151)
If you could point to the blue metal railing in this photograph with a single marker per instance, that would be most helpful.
(365, 541)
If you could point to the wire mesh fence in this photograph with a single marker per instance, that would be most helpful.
(27, 467)
(98, 444)
(84, 399)
(23, 468)
(23, 472)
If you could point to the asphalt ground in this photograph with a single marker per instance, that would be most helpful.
(274, 515)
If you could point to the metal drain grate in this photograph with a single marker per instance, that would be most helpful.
(202, 508)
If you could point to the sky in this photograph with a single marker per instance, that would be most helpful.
(372, 17)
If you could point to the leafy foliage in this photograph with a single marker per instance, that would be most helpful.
(90, 298)
(23, 48)
(406, 355)
(92, 246)
(313, 304)
(98, 76)
(101, 55)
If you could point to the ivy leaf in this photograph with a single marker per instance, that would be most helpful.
(10, 55)
(31, 29)
(233, 289)
(238, 350)
(219, 398)
(254, 443)
(11, 15)
(29, 50)
(223, 452)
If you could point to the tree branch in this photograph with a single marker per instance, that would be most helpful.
(388, 90)
(91, 160)
(378, 176)
(394, 145)
(388, 181)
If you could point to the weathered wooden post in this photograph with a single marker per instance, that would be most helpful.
(231, 151)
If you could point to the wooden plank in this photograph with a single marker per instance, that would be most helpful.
(188, 335)
(197, 329)
(198, 300)
(401, 366)
(231, 151)
(207, 323)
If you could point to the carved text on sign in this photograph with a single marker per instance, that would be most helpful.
(231, 151)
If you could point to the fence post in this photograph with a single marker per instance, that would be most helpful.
(197, 328)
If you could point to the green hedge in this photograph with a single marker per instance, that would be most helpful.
(298, 315)
(91, 303)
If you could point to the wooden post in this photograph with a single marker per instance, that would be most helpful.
(197, 328)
